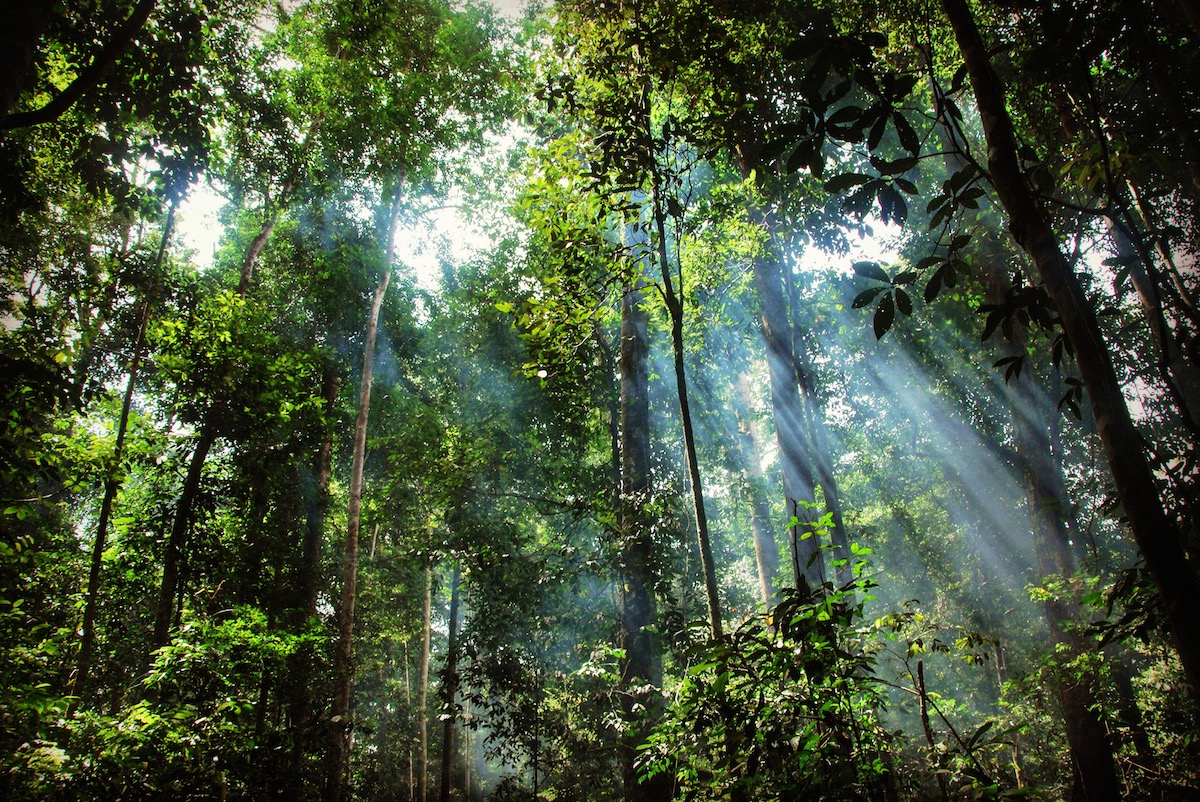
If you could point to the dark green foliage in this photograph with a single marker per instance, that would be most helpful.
(787, 706)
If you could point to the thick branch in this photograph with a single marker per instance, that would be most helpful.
(91, 75)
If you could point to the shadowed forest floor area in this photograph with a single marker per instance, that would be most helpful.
(413, 400)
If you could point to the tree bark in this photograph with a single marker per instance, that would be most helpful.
(1180, 376)
(89, 77)
(339, 719)
(182, 522)
(798, 477)
(818, 435)
(315, 489)
(450, 689)
(1155, 533)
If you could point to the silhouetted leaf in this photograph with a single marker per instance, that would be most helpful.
(885, 314)
(871, 270)
(865, 297)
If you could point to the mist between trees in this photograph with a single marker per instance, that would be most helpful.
(606, 401)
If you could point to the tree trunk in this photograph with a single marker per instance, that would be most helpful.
(315, 490)
(818, 435)
(182, 522)
(766, 551)
(255, 250)
(798, 477)
(111, 486)
(1093, 762)
(450, 689)
(675, 310)
(1180, 377)
(1155, 533)
(339, 719)
(641, 665)
(164, 611)
(423, 687)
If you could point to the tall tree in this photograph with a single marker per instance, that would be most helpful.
(1157, 536)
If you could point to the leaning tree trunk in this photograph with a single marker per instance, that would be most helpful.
(164, 611)
(339, 717)
(1155, 533)
(674, 303)
(31, 25)
(23, 24)
(184, 508)
(1176, 372)
(111, 486)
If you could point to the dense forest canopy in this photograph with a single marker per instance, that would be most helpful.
(611, 400)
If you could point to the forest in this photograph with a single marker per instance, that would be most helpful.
(412, 400)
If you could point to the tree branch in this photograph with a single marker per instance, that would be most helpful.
(91, 75)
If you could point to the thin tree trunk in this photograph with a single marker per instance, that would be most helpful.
(1156, 534)
(340, 725)
(111, 486)
(164, 611)
(1180, 377)
(255, 250)
(317, 504)
(412, 788)
(423, 687)
(182, 522)
(675, 310)
(1182, 294)
(923, 702)
(450, 689)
